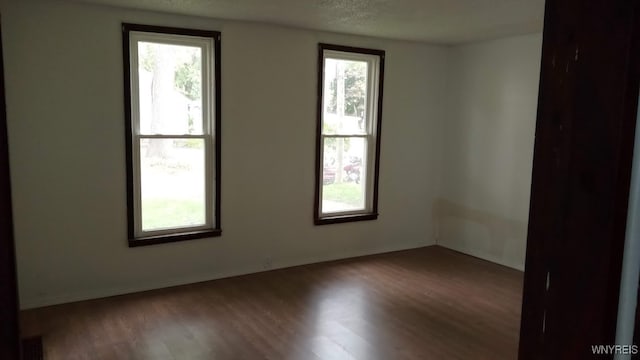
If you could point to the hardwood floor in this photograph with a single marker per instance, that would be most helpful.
(428, 303)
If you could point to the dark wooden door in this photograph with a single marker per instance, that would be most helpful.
(9, 334)
(581, 175)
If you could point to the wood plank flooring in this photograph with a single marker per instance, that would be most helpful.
(428, 303)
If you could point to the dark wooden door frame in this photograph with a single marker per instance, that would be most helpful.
(581, 175)
(9, 331)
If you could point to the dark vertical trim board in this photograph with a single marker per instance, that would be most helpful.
(126, 61)
(318, 172)
(581, 174)
(218, 129)
(9, 327)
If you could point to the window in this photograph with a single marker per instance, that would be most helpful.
(172, 101)
(348, 141)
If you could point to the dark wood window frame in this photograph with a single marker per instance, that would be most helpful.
(367, 214)
(180, 234)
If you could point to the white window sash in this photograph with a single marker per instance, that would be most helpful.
(208, 110)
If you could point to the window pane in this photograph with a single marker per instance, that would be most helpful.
(170, 86)
(344, 99)
(172, 183)
(344, 174)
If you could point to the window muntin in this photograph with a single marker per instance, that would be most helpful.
(348, 133)
(173, 117)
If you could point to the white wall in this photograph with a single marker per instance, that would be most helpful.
(64, 82)
(628, 299)
(483, 208)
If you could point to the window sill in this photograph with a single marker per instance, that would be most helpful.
(345, 218)
(161, 239)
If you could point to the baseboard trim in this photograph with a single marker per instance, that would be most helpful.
(42, 301)
(495, 260)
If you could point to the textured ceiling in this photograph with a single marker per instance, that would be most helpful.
(435, 21)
